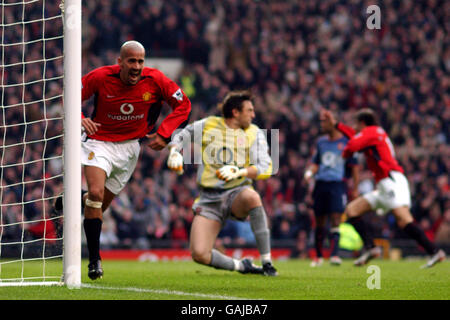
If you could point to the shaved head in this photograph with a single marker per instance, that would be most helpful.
(130, 46)
(131, 62)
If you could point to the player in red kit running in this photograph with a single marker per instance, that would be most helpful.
(128, 101)
(392, 189)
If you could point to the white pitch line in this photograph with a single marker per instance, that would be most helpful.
(168, 292)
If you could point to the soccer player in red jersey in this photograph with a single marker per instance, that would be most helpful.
(392, 189)
(128, 101)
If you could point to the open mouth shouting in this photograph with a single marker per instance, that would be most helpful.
(134, 76)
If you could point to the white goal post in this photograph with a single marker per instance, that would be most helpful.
(72, 143)
(40, 108)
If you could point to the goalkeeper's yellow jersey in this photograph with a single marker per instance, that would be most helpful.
(216, 145)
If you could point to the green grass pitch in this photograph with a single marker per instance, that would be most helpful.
(185, 280)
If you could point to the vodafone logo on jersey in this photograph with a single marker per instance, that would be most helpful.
(126, 109)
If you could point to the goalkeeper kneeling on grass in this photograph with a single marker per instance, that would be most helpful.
(234, 152)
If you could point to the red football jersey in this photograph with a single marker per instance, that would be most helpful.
(130, 111)
(377, 147)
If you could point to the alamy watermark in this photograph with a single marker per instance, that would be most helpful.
(235, 147)
(374, 20)
(374, 280)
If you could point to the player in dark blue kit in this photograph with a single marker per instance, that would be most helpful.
(330, 190)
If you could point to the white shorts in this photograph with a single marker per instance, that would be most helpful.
(117, 159)
(390, 193)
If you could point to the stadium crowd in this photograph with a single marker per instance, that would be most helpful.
(296, 56)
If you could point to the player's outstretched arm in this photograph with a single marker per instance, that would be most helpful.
(328, 116)
(260, 158)
(181, 139)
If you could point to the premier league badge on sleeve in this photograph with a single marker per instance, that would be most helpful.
(178, 95)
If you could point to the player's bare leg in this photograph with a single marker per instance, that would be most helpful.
(108, 197)
(357, 208)
(248, 203)
(95, 267)
(402, 216)
(93, 217)
(95, 179)
(405, 221)
(204, 233)
(354, 211)
(335, 221)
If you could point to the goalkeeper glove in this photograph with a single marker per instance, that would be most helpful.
(175, 161)
(229, 173)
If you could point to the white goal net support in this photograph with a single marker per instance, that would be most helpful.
(40, 98)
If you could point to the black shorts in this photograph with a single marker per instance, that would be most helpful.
(329, 197)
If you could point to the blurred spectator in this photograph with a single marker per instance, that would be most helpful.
(43, 229)
(443, 230)
(244, 233)
(228, 234)
(127, 227)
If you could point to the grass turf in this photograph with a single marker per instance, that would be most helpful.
(133, 280)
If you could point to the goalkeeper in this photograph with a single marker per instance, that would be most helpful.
(233, 153)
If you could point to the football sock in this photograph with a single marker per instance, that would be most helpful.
(319, 235)
(92, 229)
(417, 234)
(258, 223)
(366, 236)
(221, 261)
(334, 241)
